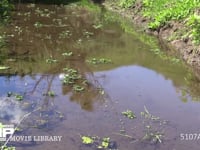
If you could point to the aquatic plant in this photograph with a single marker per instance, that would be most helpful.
(99, 143)
(65, 34)
(78, 88)
(51, 93)
(97, 26)
(67, 54)
(4, 67)
(88, 34)
(126, 3)
(38, 24)
(19, 97)
(105, 143)
(96, 61)
(152, 133)
(70, 76)
(8, 148)
(87, 140)
(51, 60)
(129, 114)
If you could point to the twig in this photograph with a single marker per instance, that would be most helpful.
(25, 116)
(124, 135)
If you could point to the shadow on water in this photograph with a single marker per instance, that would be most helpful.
(63, 93)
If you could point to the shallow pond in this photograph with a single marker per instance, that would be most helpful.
(74, 72)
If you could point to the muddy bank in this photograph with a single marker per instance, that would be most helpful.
(170, 36)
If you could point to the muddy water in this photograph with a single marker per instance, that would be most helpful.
(45, 39)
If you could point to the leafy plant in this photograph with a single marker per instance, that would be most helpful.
(38, 24)
(162, 11)
(65, 34)
(194, 22)
(71, 76)
(4, 67)
(7, 148)
(51, 60)
(87, 140)
(129, 114)
(153, 133)
(88, 34)
(78, 88)
(5, 9)
(19, 97)
(67, 54)
(126, 3)
(51, 93)
(105, 142)
(97, 142)
(96, 61)
(97, 26)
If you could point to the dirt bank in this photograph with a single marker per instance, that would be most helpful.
(170, 36)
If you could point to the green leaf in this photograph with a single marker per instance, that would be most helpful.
(4, 67)
(19, 97)
(87, 140)
(129, 114)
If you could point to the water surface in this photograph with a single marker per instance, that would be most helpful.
(41, 38)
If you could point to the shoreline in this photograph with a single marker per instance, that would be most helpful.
(186, 50)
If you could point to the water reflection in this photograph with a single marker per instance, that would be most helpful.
(46, 39)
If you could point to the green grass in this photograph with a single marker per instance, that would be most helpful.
(160, 12)
(5, 9)
(126, 3)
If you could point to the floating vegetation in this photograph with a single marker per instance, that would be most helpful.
(31, 5)
(105, 143)
(51, 60)
(99, 143)
(43, 12)
(153, 137)
(129, 114)
(78, 88)
(153, 132)
(65, 34)
(97, 26)
(88, 34)
(18, 30)
(50, 94)
(67, 54)
(87, 140)
(74, 79)
(7, 148)
(147, 115)
(4, 67)
(19, 97)
(96, 61)
(71, 76)
(79, 41)
(38, 25)
(101, 91)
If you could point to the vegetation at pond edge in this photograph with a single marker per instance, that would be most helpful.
(5, 9)
(161, 12)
